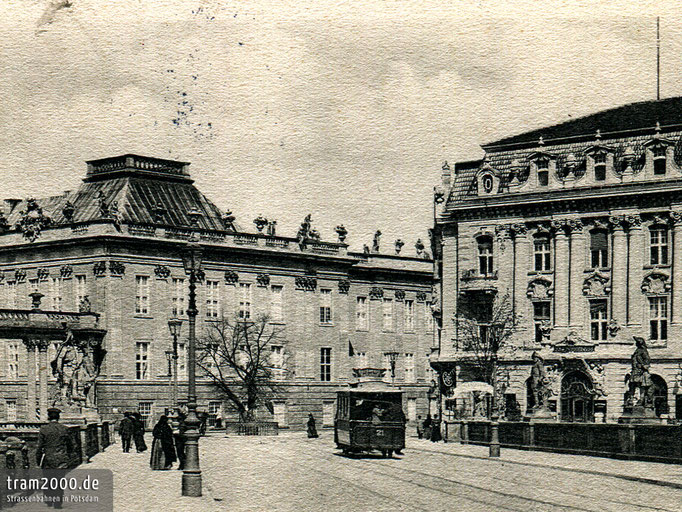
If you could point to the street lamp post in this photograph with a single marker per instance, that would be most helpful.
(191, 476)
(174, 325)
(392, 358)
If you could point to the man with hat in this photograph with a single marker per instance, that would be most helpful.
(126, 429)
(54, 446)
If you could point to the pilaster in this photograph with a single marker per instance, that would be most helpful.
(635, 263)
(42, 345)
(619, 270)
(521, 262)
(676, 247)
(577, 251)
(30, 379)
(561, 275)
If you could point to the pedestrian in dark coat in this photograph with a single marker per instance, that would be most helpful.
(312, 430)
(420, 427)
(435, 429)
(163, 448)
(427, 427)
(52, 452)
(179, 437)
(138, 433)
(125, 430)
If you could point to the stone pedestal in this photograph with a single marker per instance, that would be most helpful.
(540, 414)
(77, 415)
(638, 414)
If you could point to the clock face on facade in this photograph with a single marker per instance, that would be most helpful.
(448, 379)
(488, 183)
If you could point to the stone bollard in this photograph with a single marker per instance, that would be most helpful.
(494, 448)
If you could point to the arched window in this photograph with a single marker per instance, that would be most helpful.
(660, 395)
(600, 166)
(485, 255)
(543, 172)
(658, 245)
(542, 253)
(599, 248)
(659, 153)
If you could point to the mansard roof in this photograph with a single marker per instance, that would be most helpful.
(630, 117)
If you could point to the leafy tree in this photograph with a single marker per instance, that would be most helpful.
(245, 359)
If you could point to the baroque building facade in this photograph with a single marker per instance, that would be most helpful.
(579, 227)
(113, 247)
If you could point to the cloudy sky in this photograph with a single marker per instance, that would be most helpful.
(345, 110)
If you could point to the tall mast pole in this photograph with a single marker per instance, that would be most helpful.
(658, 57)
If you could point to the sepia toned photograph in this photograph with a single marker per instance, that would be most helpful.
(277, 256)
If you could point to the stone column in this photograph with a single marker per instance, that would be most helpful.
(42, 378)
(521, 263)
(578, 253)
(618, 262)
(636, 254)
(30, 379)
(561, 275)
(676, 247)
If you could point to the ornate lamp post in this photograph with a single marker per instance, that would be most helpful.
(392, 358)
(174, 325)
(191, 260)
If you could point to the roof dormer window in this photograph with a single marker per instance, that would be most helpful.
(600, 166)
(543, 172)
(659, 153)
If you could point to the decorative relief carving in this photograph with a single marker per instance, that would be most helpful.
(613, 328)
(32, 221)
(68, 210)
(596, 285)
(231, 277)
(540, 288)
(344, 286)
(421, 296)
(518, 229)
(376, 293)
(599, 224)
(99, 268)
(676, 216)
(20, 275)
(162, 271)
(306, 283)
(117, 268)
(400, 295)
(656, 283)
(633, 221)
(43, 274)
(263, 280)
(660, 219)
(65, 271)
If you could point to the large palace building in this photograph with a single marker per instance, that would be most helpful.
(578, 227)
(113, 248)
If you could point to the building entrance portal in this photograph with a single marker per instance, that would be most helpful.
(577, 398)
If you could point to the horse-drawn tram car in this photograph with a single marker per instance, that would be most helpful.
(369, 420)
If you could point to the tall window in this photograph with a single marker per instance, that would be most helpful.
(244, 301)
(361, 314)
(543, 172)
(81, 289)
(542, 253)
(598, 320)
(178, 298)
(599, 249)
(11, 410)
(325, 306)
(388, 314)
(182, 361)
(658, 318)
(325, 364)
(142, 361)
(142, 295)
(145, 410)
(409, 367)
(658, 245)
(213, 409)
(409, 315)
(276, 312)
(485, 255)
(659, 153)
(11, 290)
(428, 316)
(541, 318)
(13, 360)
(212, 299)
(277, 356)
(56, 293)
(600, 166)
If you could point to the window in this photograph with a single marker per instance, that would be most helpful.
(388, 314)
(142, 295)
(485, 256)
(598, 320)
(11, 291)
(658, 318)
(599, 249)
(542, 253)
(543, 172)
(279, 411)
(81, 289)
(408, 312)
(276, 313)
(600, 166)
(145, 410)
(361, 314)
(541, 318)
(412, 409)
(428, 316)
(13, 360)
(276, 356)
(212, 299)
(56, 293)
(659, 153)
(11, 410)
(244, 301)
(178, 299)
(487, 183)
(409, 368)
(429, 372)
(361, 360)
(142, 361)
(213, 410)
(325, 364)
(658, 245)
(182, 361)
(325, 306)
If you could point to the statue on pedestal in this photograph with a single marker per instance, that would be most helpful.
(539, 383)
(640, 385)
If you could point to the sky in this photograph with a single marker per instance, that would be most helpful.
(345, 110)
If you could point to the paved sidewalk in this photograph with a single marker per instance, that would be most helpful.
(669, 475)
(138, 488)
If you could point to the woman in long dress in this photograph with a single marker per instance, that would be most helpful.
(138, 433)
(312, 430)
(163, 449)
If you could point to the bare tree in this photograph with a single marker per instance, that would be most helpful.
(245, 359)
(484, 330)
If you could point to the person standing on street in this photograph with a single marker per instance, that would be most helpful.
(125, 430)
(179, 438)
(312, 430)
(138, 432)
(163, 449)
(420, 427)
(435, 429)
(52, 452)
